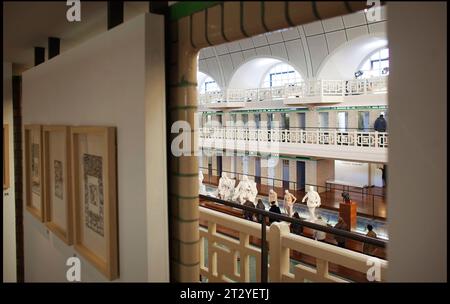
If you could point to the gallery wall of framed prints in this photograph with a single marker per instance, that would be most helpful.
(95, 197)
(5, 157)
(58, 181)
(33, 171)
(71, 186)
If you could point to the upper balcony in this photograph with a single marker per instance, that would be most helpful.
(370, 146)
(310, 92)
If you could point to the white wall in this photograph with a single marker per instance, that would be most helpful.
(106, 82)
(9, 213)
(352, 172)
(417, 173)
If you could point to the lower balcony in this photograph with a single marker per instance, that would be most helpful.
(231, 251)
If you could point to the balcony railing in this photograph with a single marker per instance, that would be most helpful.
(299, 89)
(371, 139)
(224, 258)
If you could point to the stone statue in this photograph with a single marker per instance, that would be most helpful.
(273, 196)
(313, 202)
(246, 190)
(202, 188)
(289, 201)
(226, 187)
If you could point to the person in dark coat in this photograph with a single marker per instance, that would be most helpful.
(248, 215)
(275, 209)
(296, 228)
(260, 205)
(380, 124)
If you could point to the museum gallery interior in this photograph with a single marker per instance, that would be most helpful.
(224, 141)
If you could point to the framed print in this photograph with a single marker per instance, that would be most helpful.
(94, 196)
(5, 157)
(33, 171)
(58, 181)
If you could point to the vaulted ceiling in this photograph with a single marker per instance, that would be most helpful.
(305, 47)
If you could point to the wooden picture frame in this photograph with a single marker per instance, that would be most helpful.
(6, 175)
(95, 197)
(58, 181)
(33, 171)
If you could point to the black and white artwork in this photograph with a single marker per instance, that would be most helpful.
(93, 192)
(35, 179)
(58, 171)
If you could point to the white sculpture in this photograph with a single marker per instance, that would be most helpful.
(246, 190)
(273, 196)
(226, 187)
(289, 201)
(313, 202)
(202, 188)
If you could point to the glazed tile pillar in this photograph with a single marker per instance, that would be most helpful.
(333, 119)
(183, 170)
(263, 122)
(353, 119)
(251, 166)
(312, 119)
(325, 171)
(294, 121)
(279, 173)
(226, 164)
(310, 173)
(264, 172)
(292, 173)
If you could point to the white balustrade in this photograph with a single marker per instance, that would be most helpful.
(371, 139)
(299, 89)
(224, 258)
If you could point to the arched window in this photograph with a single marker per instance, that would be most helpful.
(376, 65)
(280, 75)
(209, 85)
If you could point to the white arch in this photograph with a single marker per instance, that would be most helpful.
(345, 60)
(250, 73)
(202, 76)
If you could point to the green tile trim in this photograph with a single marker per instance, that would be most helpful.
(184, 264)
(186, 243)
(179, 219)
(183, 84)
(184, 174)
(183, 197)
(179, 108)
(187, 8)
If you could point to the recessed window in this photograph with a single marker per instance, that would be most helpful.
(377, 65)
(209, 85)
(280, 75)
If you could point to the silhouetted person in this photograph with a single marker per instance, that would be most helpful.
(260, 205)
(383, 174)
(380, 124)
(275, 209)
(248, 215)
(368, 248)
(296, 228)
(343, 226)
